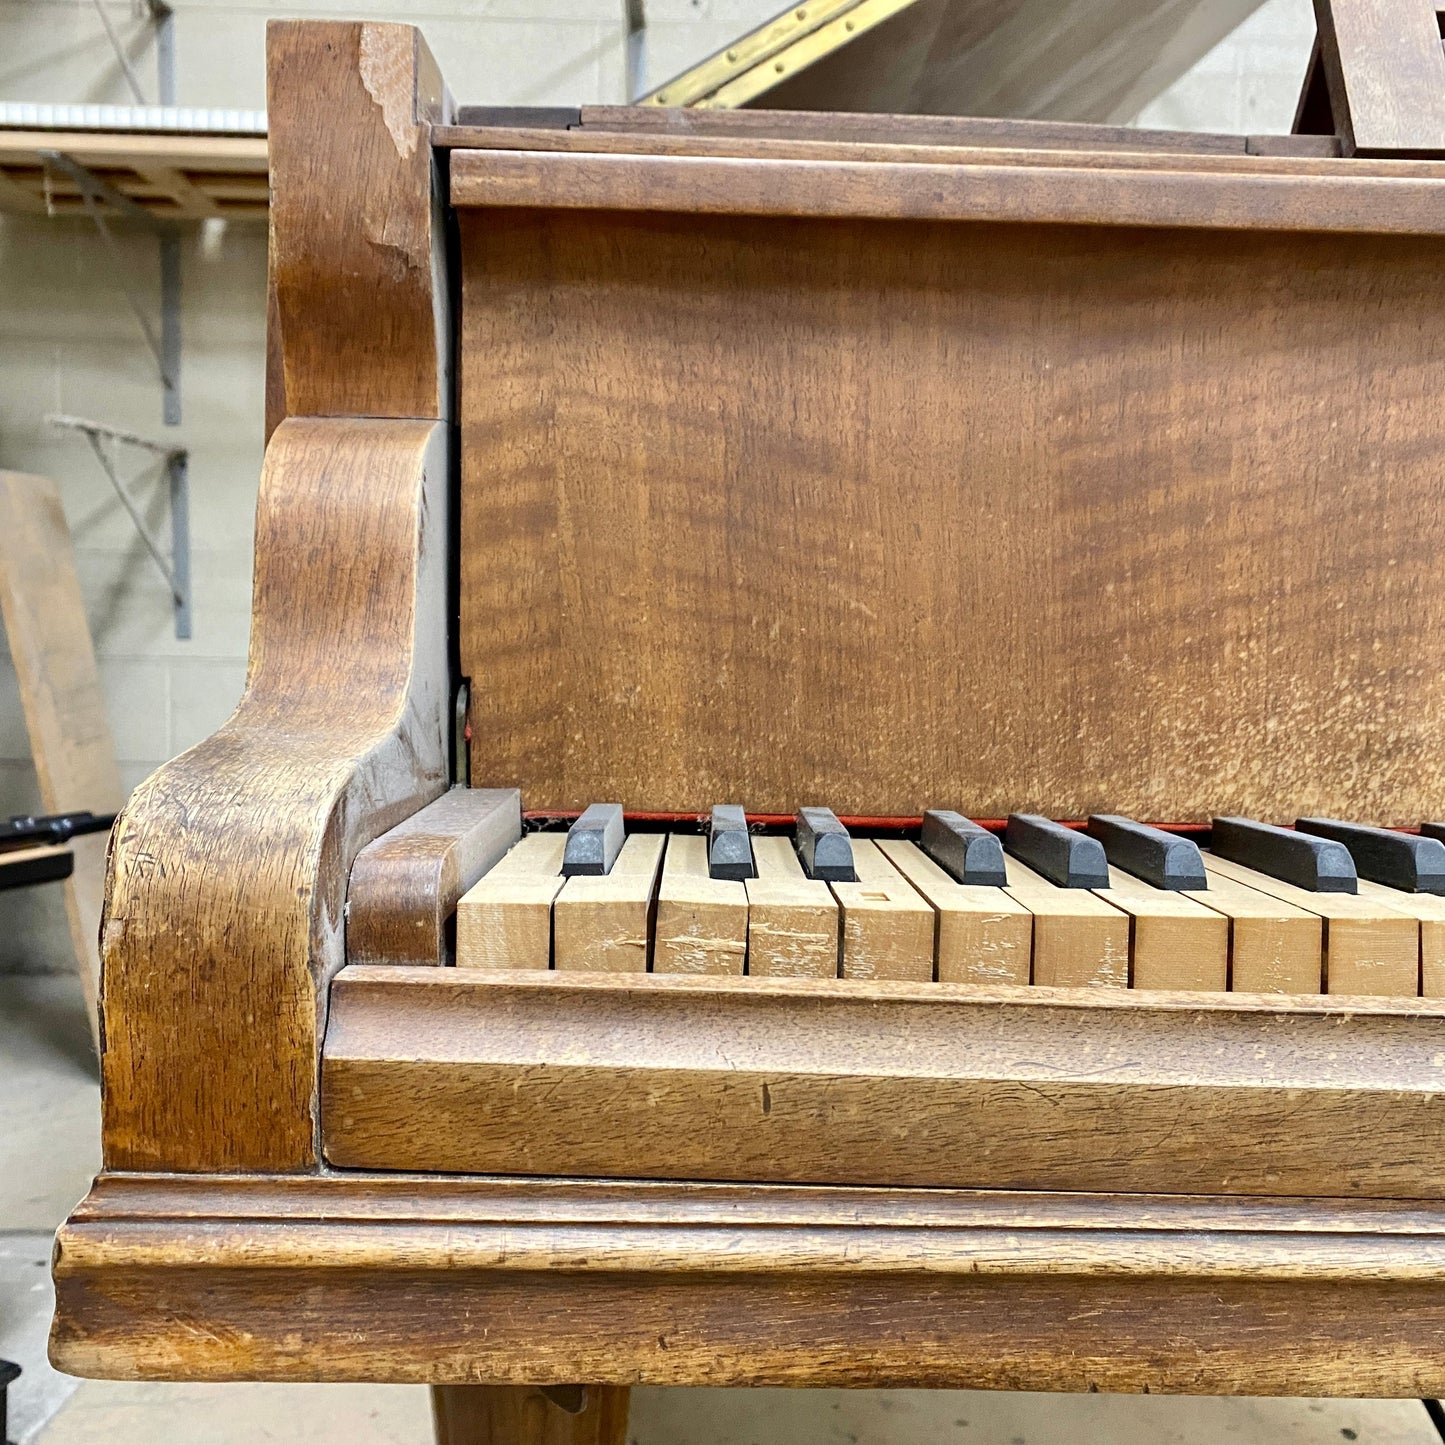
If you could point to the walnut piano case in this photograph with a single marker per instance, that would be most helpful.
(928, 468)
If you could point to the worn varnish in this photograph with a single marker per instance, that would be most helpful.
(216, 965)
(833, 1081)
(360, 319)
(532, 1282)
(404, 887)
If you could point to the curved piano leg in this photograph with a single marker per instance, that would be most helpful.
(526, 1415)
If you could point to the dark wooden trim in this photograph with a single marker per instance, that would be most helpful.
(1271, 199)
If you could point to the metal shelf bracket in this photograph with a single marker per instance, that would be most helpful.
(104, 440)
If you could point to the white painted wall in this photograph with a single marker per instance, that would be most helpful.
(68, 341)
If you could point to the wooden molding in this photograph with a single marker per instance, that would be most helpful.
(404, 887)
(1265, 197)
(462, 1281)
(810, 1081)
(362, 315)
(229, 866)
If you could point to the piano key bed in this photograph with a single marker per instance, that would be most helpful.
(1115, 1009)
(1118, 905)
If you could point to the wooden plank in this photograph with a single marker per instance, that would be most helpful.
(421, 1279)
(1024, 310)
(1174, 942)
(1264, 199)
(505, 919)
(60, 694)
(190, 200)
(1079, 940)
(944, 1085)
(888, 929)
(1385, 69)
(702, 922)
(1369, 947)
(604, 922)
(985, 934)
(217, 960)
(1274, 947)
(792, 920)
(401, 900)
(1428, 910)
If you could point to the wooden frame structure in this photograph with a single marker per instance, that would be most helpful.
(251, 1223)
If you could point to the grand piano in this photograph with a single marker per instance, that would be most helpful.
(685, 540)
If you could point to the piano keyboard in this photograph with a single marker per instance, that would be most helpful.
(1324, 907)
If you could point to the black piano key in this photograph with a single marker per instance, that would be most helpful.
(961, 848)
(1433, 830)
(1318, 864)
(1383, 855)
(1164, 859)
(729, 849)
(593, 842)
(1063, 855)
(824, 847)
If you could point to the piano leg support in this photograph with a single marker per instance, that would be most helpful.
(524, 1415)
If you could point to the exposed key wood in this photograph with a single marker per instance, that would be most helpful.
(402, 898)
(1369, 947)
(505, 920)
(1428, 910)
(1174, 941)
(604, 923)
(1274, 947)
(887, 927)
(985, 934)
(792, 920)
(1079, 940)
(702, 922)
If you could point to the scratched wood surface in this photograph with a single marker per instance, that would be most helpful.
(550, 1281)
(874, 1082)
(1148, 494)
(359, 317)
(216, 959)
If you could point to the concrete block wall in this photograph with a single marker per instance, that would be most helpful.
(69, 343)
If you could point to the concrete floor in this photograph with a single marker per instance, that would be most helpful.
(49, 1148)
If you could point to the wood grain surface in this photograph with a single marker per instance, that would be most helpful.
(539, 1282)
(361, 317)
(402, 896)
(836, 1081)
(228, 868)
(1156, 473)
(896, 129)
(1385, 69)
(1264, 197)
(60, 694)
